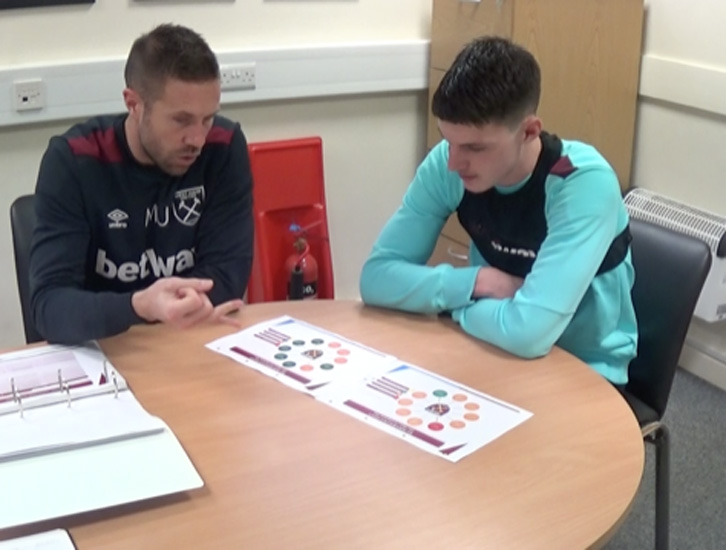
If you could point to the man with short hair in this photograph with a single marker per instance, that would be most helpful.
(549, 255)
(146, 216)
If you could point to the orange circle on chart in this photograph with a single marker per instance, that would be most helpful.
(419, 394)
(405, 401)
(414, 421)
(340, 360)
(403, 412)
(459, 397)
(343, 352)
(457, 424)
(472, 406)
(307, 367)
(471, 416)
(334, 344)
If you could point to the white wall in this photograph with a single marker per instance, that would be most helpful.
(681, 132)
(372, 143)
(107, 28)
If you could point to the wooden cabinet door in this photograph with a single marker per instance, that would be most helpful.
(432, 131)
(456, 22)
(590, 61)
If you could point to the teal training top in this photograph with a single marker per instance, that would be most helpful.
(562, 300)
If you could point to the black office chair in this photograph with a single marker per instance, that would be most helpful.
(670, 269)
(22, 223)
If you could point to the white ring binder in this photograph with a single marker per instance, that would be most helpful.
(79, 417)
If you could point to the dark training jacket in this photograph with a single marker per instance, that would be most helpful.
(109, 226)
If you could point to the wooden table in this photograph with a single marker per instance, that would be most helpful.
(284, 471)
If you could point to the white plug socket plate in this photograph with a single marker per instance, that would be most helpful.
(238, 76)
(28, 95)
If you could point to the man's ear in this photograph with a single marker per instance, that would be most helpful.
(532, 128)
(133, 102)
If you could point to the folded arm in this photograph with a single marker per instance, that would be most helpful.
(582, 223)
(395, 274)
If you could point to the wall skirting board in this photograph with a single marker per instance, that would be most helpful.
(87, 88)
(684, 83)
(703, 365)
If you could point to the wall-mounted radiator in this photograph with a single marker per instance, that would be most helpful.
(710, 228)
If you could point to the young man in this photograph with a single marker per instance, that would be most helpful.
(549, 255)
(145, 216)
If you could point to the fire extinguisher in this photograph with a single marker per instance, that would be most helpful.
(302, 272)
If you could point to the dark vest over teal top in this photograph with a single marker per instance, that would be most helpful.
(509, 228)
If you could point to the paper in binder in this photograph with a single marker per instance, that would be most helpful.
(70, 425)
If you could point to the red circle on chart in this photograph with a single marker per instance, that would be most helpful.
(414, 421)
(459, 397)
(457, 424)
(340, 360)
(307, 367)
(419, 394)
(343, 352)
(403, 412)
(436, 426)
(405, 401)
(472, 406)
(334, 344)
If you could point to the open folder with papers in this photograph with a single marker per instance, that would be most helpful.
(74, 438)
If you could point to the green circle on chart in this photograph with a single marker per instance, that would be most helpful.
(440, 393)
(317, 340)
(284, 348)
(288, 364)
(298, 342)
(280, 356)
(326, 366)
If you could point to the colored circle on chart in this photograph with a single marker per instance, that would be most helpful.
(471, 416)
(288, 364)
(414, 421)
(340, 360)
(343, 352)
(298, 342)
(457, 424)
(459, 397)
(440, 393)
(436, 426)
(403, 412)
(284, 348)
(405, 401)
(419, 394)
(334, 344)
(307, 368)
(280, 356)
(327, 366)
(472, 406)
(317, 341)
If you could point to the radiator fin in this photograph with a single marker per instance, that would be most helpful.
(651, 207)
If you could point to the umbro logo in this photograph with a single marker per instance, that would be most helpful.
(118, 219)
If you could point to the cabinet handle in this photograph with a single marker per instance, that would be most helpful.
(457, 255)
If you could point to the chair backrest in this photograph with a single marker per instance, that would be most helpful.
(670, 269)
(22, 224)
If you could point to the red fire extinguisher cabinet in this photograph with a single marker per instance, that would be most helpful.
(289, 193)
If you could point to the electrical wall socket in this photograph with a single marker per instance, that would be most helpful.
(240, 76)
(29, 95)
